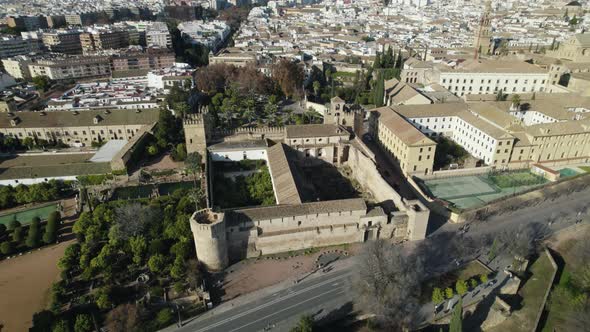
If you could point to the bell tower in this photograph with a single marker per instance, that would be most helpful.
(483, 35)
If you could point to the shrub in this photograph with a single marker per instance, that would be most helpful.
(83, 323)
(483, 278)
(461, 287)
(33, 236)
(6, 248)
(437, 295)
(17, 235)
(164, 317)
(449, 293)
(13, 224)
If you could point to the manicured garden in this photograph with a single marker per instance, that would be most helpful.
(130, 259)
(17, 237)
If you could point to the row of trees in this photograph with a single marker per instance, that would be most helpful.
(461, 287)
(13, 237)
(24, 194)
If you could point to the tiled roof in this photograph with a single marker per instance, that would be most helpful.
(58, 119)
(285, 187)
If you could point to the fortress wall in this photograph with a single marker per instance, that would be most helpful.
(365, 172)
(312, 220)
(308, 239)
(244, 134)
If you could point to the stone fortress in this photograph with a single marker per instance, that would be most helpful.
(297, 221)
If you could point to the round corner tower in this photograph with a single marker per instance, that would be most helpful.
(208, 229)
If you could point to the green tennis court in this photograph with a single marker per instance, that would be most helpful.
(460, 187)
(26, 216)
(477, 190)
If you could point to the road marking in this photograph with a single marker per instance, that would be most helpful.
(272, 302)
(287, 308)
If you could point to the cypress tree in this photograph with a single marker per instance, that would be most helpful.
(379, 90)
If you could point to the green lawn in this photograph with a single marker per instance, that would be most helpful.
(532, 294)
(585, 168)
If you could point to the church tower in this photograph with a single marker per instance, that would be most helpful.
(483, 34)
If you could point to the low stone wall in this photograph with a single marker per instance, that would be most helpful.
(546, 296)
(532, 197)
(456, 172)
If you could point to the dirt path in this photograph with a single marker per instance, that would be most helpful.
(24, 285)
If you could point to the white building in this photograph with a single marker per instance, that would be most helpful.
(489, 77)
(211, 34)
(157, 34)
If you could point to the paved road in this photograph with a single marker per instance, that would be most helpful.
(281, 310)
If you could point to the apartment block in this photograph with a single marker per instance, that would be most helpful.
(71, 67)
(12, 46)
(97, 39)
(63, 41)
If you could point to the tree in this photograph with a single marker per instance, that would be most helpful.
(483, 278)
(124, 317)
(6, 248)
(461, 287)
(131, 220)
(33, 234)
(156, 263)
(193, 164)
(13, 224)
(289, 76)
(179, 153)
(17, 235)
(516, 100)
(2, 230)
(164, 317)
(305, 324)
(83, 323)
(457, 318)
(61, 326)
(178, 268)
(387, 282)
(42, 82)
(152, 150)
(437, 295)
(29, 142)
(379, 90)
(138, 246)
(316, 88)
(167, 130)
(193, 273)
(103, 298)
(70, 258)
(449, 293)
(473, 283)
